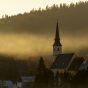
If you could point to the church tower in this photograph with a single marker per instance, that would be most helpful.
(57, 47)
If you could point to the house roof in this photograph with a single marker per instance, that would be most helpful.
(28, 79)
(62, 61)
(84, 65)
(76, 63)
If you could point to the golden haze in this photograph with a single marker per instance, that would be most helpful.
(36, 45)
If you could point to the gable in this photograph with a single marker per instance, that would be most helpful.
(62, 61)
(75, 65)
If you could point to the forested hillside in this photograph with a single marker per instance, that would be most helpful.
(72, 19)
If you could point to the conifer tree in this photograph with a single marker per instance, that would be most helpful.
(44, 76)
(41, 65)
(41, 74)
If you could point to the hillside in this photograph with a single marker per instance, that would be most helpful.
(73, 20)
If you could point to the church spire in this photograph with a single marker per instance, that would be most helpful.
(57, 47)
(57, 36)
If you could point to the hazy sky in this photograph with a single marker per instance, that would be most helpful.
(12, 7)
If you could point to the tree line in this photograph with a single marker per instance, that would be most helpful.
(72, 20)
(13, 69)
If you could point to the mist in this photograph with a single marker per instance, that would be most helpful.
(39, 45)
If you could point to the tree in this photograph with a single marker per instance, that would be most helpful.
(41, 65)
(40, 76)
(44, 76)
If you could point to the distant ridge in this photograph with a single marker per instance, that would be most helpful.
(73, 18)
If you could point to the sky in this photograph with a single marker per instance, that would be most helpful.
(13, 7)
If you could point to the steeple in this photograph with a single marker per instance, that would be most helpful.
(57, 36)
(57, 47)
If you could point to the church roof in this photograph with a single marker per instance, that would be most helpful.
(75, 65)
(62, 61)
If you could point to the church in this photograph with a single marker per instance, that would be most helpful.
(68, 62)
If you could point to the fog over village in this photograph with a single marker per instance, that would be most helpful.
(45, 48)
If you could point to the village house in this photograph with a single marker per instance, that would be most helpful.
(25, 81)
(6, 84)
